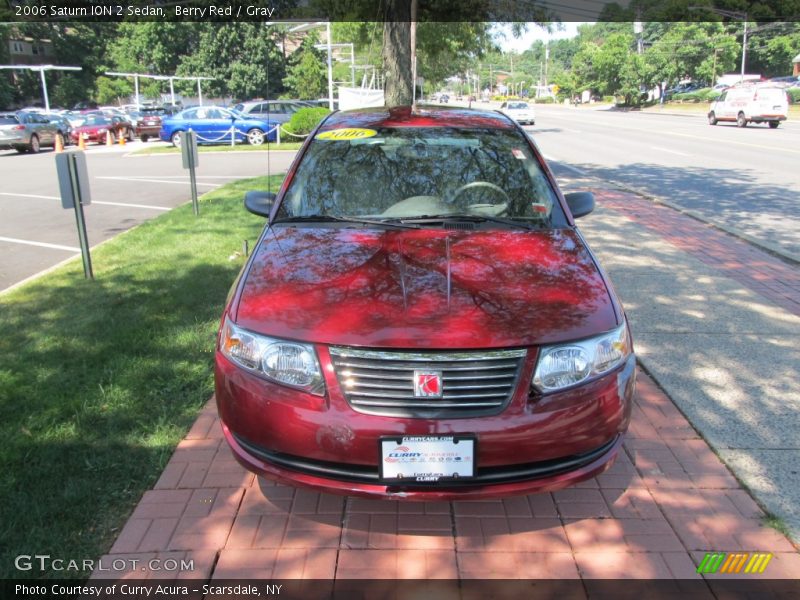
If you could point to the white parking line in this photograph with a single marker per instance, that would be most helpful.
(30, 196)
(147, 206)
(187, 182)
(660, 149)
(40, 244)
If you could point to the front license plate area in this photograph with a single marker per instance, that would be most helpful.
(426, 459)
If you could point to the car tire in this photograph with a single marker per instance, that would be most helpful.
(129, 136)
(774, 124)
(256, 137)
(144, 138)
(176, 139)
(113, 138)
(34, 145)
(712, 118)
(60, 136)
(741, 120)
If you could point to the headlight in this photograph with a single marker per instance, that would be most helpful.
(565, 365)
(102, 130)
(289, 363)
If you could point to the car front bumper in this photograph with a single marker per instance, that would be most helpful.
(535, 444)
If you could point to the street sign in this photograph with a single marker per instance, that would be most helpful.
(65, 179)
(73, 183)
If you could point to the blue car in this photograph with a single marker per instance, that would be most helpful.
(213, 126)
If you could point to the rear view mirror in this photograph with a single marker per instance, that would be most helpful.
(580, 203)
(258, 202)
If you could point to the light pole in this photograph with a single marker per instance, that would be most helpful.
(742, 16)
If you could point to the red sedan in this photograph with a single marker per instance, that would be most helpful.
(94, 129)
(422, 319)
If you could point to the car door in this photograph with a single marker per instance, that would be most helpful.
(721, 108)
(42, 128)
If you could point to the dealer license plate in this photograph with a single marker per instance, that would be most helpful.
(427, 459)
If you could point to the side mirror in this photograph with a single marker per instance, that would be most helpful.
(258, 202)
(580, 203)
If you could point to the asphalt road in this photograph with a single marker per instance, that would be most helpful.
(36, 233)
(743, 179)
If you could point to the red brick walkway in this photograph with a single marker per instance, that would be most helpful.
(666, 502)
(755, 268)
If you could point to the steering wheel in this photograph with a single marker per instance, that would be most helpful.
(481, 184)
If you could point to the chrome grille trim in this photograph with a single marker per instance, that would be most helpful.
(382, 382)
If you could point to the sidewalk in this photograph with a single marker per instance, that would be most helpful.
(713, 322)
(666, 502)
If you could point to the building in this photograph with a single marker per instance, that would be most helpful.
(29, 51)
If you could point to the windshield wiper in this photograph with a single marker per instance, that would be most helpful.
(333, 218)
(473, 218)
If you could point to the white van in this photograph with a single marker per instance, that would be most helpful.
(750, 104)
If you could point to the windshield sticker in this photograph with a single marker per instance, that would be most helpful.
(518, 153)
(350, 133)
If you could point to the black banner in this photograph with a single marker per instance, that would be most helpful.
(373, 10)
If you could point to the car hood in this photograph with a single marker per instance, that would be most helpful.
(426, 288)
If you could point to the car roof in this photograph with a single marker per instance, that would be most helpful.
(423, 116)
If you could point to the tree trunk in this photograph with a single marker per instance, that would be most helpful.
(398, 88)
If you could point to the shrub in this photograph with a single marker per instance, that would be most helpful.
(794, 95)
(305, 119)
(545, 100)
(609, 99)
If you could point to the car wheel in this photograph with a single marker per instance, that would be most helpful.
(113, 137)
(741, 121)
(255, 137)
(712, 118)
(129, 136)
(60, 137)
(774, 124)
(34, 146)
(176, 139)
(144, 138)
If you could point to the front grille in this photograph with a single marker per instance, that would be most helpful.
(382, 382)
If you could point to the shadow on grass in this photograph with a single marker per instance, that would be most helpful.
(100, 379)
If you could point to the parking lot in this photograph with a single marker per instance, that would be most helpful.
(36, 233)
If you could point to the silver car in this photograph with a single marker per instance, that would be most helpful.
(28, 132)
(278, 111)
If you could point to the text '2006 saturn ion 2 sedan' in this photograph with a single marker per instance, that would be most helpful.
(421, 318)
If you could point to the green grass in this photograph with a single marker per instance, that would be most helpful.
(776, 523)
(221, 148)
(99, 380)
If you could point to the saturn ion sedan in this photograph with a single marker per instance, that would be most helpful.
(422, 319)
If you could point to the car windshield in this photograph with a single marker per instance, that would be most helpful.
(8, 120)
(92, 120)
(407, 173)
(518, 105)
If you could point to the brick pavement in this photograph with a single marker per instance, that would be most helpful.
(760, 271)
(666, 501)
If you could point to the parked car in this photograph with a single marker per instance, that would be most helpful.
(27, 131)
(751, 103)
(521, 112)
(147, 122)
(444, 98)
(213, 125)
(276, 111)
(422, 319)
(96, 126)
(64, 128)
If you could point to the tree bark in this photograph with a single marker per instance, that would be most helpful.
(398, 90)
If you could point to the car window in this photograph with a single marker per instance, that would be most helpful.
(722, 96)
(8, 120)
(518, 105)
(190, 114)
(412, 172)
(92, 120)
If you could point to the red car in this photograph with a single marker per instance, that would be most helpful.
(422, 319)
(94, 129)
